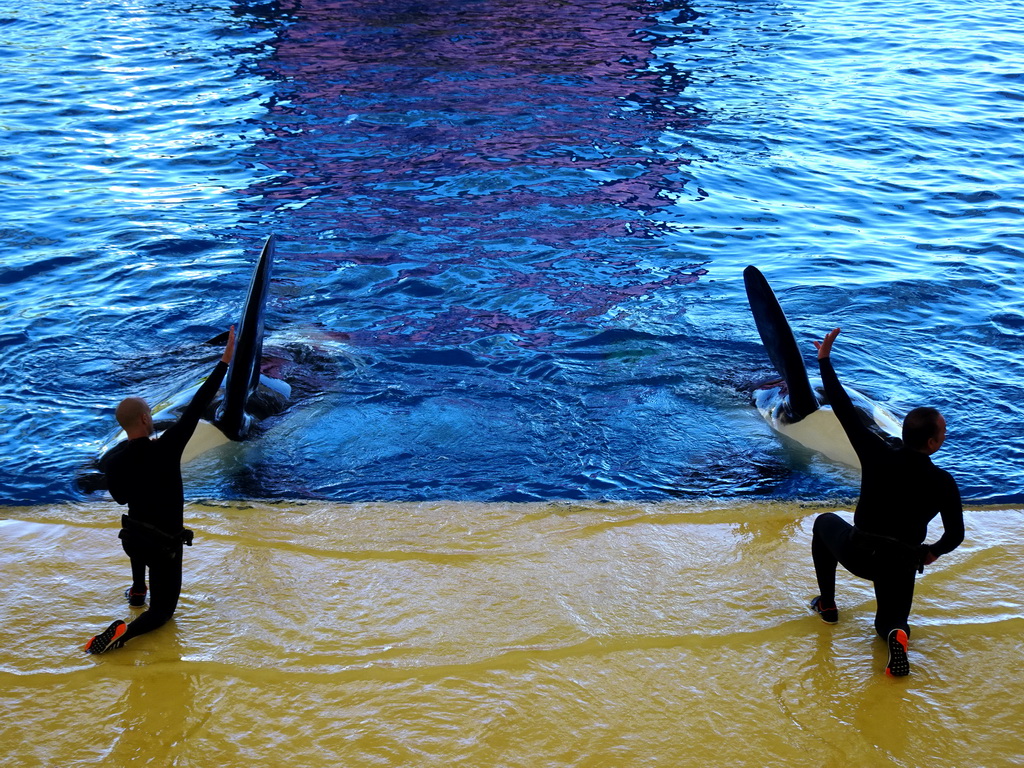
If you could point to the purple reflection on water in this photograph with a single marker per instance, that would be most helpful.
(477, 149)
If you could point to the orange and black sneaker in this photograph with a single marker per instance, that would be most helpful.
(108, 638)
(135, 598)
(899, 664)
(828, 615)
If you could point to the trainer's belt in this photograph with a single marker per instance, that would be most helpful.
(184, 536)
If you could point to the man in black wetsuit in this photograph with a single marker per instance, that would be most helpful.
(145, 474)
(900, 492)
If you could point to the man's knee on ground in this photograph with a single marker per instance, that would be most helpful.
(823, 521)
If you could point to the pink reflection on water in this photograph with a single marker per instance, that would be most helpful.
(484, 133)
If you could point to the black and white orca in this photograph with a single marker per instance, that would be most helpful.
(795, 407)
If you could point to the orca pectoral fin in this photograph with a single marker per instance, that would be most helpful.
(779, 343)
(244, 372)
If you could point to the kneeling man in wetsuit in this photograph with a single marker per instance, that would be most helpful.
(900, 492)
(145, 474)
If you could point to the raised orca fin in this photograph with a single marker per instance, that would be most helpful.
(778, 340)
(244, 372)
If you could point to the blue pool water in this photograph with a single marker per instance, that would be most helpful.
(511, 235)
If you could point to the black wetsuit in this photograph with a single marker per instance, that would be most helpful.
(145, 474)
(900, 492)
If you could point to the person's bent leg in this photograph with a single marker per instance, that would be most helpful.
(138, 575)
(829, 538)
(138, 555)
(894, 596)
(164, 591)
(136, 593)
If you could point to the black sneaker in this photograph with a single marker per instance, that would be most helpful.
(108, 638)
(899, 664)
(828, 615)
(135, 599)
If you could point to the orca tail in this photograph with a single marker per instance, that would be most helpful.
(779, 342)
(243, 375)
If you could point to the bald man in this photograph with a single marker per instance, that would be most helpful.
(901, 491)
(145, 473)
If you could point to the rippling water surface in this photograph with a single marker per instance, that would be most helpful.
(525, 224)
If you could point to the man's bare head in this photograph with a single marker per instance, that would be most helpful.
(924, 430)
(135, 418)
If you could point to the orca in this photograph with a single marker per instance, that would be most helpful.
(795, 407)
(243, 378)
(246, 397)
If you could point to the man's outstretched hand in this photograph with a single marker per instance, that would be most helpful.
(824, 347)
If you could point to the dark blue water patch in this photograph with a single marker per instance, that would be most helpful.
(180, 248)
(449, 357)
(11, 339)
(14, 275)
(412, 287)
(1009, 323)
(615, 336)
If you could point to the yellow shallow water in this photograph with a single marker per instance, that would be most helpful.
(453, 634)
